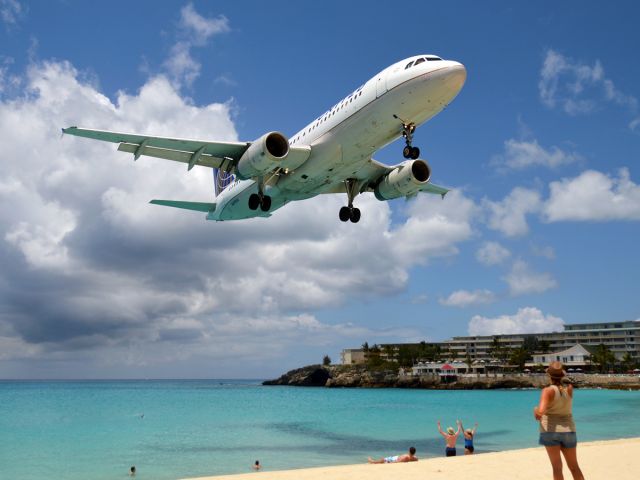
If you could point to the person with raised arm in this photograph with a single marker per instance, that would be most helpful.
(450, 438)
(469, 433)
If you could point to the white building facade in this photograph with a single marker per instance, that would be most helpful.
(576, 356)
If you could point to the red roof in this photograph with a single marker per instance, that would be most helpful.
(446, 366)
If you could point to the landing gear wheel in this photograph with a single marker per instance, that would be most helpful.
(254, 201)
(355, 215)
(345, 214)
(265, 205)
(415, 152)
(406, 151)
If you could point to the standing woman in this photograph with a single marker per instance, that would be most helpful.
(557, 429)
(469, 433)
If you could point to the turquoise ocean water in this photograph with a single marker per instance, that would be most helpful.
(175, 429)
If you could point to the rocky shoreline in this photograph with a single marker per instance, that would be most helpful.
(359, 376)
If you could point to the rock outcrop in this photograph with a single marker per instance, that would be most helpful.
(310, 376)
(349, 376)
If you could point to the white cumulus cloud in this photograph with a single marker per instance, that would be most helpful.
(522, 280)
(492, 253)
(465, 298)
(525, 320)
(576, 87)
(509, 215)
(201, 28)
(521, 154)
(195, 31)
(11, 11)
(593, 196)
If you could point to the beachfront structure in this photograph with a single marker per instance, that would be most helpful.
(619, 337)
(574, 357)
(440, 368)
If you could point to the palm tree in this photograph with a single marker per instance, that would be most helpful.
(519, 356)
(604, 357)
(496, 350)
(389, 352)
(628, 362)
(544, 346)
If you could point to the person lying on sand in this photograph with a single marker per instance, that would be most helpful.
(407, 457)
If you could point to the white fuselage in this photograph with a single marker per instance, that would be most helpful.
(344, 138)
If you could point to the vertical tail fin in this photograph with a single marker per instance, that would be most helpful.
(221, 180)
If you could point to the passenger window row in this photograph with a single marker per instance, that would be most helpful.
(330, 113)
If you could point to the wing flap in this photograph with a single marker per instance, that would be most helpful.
(233, 150)
(197, 206)
(296, 157)
(435, 189)
(203, 159)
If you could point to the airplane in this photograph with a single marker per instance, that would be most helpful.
(332, 154)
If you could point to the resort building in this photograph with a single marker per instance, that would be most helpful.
(619, 337)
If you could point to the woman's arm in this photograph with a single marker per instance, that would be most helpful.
(459, 427)
(475, 427)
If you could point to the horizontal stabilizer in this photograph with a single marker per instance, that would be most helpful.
(197, 206)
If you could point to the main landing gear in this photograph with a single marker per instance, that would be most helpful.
(350, 212)
(407, 132)
(259, 200)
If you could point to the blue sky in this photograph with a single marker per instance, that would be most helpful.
(540, 148)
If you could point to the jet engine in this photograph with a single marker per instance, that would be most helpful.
(405, 179)
(263, 155)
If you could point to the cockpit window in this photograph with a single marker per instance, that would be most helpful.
(420, 60)
(433, 59)
(408, 65)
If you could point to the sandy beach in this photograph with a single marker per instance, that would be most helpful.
(618, 459)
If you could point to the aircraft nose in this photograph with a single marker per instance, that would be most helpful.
(456, 75)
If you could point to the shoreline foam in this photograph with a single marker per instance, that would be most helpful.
(619, 459)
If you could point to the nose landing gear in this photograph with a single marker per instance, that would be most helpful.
(407, 132)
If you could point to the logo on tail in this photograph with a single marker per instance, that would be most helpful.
(221, 180)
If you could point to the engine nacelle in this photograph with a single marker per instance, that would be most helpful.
(405, 179)
(263, 155)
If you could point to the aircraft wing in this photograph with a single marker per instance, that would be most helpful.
(220, 155)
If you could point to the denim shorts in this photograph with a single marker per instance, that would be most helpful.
(558, 439)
